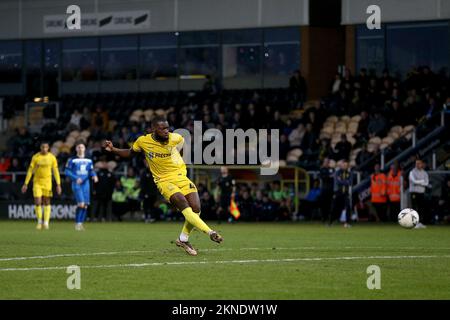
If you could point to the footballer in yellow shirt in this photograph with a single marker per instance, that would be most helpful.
(161, 151)
(41, 166)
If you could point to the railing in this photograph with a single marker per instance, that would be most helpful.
(437, 119)
(404, 199)
(422, 146)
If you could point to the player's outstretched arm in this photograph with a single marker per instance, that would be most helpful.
(124, 153)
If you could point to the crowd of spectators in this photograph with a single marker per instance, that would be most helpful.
(381, 102)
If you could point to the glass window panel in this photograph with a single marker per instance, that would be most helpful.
(370, 49)
(10, 61)
(199, 53)
(414, 45)
(52, 56)
(119, 58)
(33, 61)
(281, 51)
(80, 59)
(33, 56)
(158, 56)
(242, 53)
(199, 61)
(52, 61)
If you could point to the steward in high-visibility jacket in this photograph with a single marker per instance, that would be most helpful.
(378, 187)
(393, 185)
(378, 193)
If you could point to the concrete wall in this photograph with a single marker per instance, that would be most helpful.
(354, 11)
(24, 19)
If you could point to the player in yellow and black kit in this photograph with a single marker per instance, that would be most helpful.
(42, 164)
(161, 150)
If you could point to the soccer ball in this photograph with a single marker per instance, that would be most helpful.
(408, 218)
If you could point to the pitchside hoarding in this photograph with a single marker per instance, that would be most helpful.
(24, 210)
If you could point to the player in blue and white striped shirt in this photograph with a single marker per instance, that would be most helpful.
(79, 170)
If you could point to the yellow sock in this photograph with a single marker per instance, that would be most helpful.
(47, 210)
(187, 227)
(195, 220)
(38, 210)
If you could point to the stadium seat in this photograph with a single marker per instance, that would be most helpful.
(332, 119)
(397, 129)
(356, 118)
(294, 155)
(345, 119)
(408, 129)
(375, 140)
(387, 140)
(70, 141)
(394, 135)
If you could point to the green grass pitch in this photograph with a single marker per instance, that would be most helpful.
(256, 261)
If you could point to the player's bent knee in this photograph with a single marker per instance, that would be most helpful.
(179, 201)
(196, 208)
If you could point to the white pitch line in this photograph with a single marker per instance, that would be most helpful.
(66, 255)
(177, 263)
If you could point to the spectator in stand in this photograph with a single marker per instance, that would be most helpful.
(377, 125)
(22, 144)
(363, 126)
(86, 119)
(412, 107)
(336, 84)
(357, 104)
(432, 108)
(100, 120)
(309, 141)
(326, 197)
(298, 88)
(396, 114)
(363, 156)
(75, 120)
(296, 136)
(135, 133)
(378, 193)
(343, 148)
(418, 182)
(393, 191)
(363, 80)
(276, 122)
(325, 149)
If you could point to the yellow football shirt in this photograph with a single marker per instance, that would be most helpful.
(41, 166)
(164, 159)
